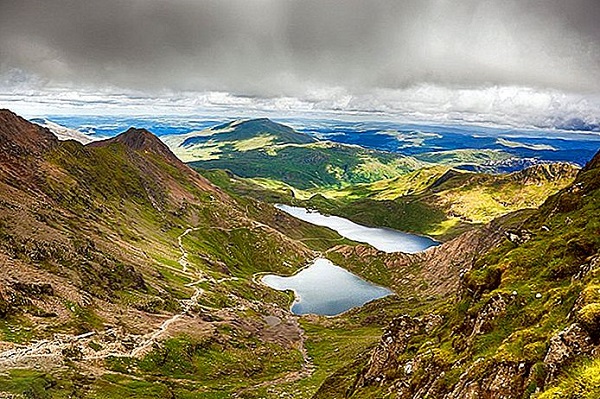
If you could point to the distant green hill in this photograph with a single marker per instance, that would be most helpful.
(440, 201)
(236, 136)
(250, 129)
(261, 148)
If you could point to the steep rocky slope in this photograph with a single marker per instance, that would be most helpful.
(523, 320)
(116, 259)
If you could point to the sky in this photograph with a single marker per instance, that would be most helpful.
(501, 62)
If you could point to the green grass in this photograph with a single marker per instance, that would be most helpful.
(581, 382)
(312, 165)
(434, 201)
(540, 293)
(16, 329)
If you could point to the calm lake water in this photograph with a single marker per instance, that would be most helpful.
(326, 289)
(386, 240)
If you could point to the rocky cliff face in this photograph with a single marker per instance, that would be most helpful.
(18, 137)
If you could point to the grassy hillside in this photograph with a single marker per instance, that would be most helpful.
(313, 165)
(274, 163)
(443, 204)
(124, 273)
(261, 148)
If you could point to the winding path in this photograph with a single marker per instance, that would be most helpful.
(183, 260)
(53, 350)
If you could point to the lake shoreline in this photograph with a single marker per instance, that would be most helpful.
(383, 239)
(363, 291)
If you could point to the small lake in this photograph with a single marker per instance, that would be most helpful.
(386, 240)
(326, 289)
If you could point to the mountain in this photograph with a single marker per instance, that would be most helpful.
(64, 133)
(239, 135)
(124, 273)
(19, 137)
(263, 149)
(250, 129)
(143, 142)
(117, 259)
(444, 202)
(523, 319)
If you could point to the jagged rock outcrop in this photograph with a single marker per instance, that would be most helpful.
(384, 361)
(428, 373)
(492, 310)
(564, 347)
(519, 237)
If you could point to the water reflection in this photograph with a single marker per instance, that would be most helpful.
(326, 289)
(386, 240)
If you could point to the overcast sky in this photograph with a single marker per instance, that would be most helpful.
(521, 61)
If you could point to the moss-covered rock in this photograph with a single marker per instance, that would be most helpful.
(589, 318)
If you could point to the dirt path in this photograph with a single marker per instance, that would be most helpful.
(53, 350)
(183, 260)
(150, 339)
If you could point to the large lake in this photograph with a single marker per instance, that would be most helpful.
(326, 289)
(383, 239)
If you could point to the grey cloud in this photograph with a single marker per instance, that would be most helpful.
(293, 47)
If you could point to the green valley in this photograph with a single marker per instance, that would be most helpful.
(125, 273)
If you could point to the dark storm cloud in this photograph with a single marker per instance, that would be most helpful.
(289, 47)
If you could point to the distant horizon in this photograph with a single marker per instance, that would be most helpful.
(224, 105)
(409, 139)
(328, 118)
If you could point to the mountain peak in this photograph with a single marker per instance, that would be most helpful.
(264, 123)
(244, 129)
(135, 139)
(258, 121)
(18, 136)
(141, 140)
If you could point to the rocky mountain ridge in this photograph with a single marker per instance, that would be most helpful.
(19, 137)
(523, 319)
